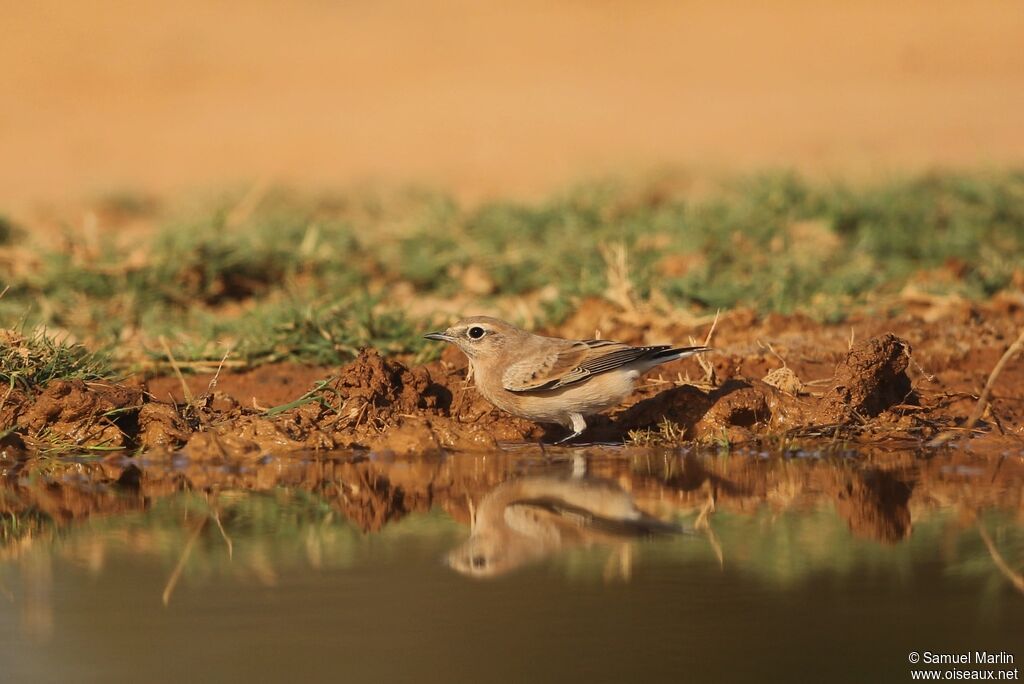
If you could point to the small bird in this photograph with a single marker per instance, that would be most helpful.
(524, 520)
(548, 379)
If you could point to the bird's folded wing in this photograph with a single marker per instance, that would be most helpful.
(553, 519)
(538, 523)
(572, 363)
(540, 367)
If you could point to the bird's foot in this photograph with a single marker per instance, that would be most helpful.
(570, 437)
(579, 424)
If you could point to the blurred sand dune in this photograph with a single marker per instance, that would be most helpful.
(493, 98)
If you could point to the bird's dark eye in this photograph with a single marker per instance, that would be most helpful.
(476, 332)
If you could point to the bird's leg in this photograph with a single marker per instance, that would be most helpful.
(579, 467)
(578, 426)
(543, 451)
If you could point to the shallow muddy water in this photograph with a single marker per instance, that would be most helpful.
(583, 564)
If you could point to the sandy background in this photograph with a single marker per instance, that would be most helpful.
(488, 98)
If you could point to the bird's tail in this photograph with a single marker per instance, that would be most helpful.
(674, 353)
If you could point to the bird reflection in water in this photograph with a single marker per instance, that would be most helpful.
(525, 520)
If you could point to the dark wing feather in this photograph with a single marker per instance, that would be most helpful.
(577, 516)
(620, 357)
(588, 358)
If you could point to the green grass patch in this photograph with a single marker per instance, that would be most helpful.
(32, 361)
(312, 279)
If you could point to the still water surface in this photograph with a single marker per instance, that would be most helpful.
(655, 566)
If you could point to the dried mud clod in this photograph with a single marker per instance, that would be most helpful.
(871, 379)
(386, 405)
(737, 411)
(161, 426)
(784, 379)
(80, 414)
(382, 404)
(868, 381)
(382, 388)
(374, 402)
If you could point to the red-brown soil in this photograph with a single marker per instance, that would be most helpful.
(909, 377)
(262, 387)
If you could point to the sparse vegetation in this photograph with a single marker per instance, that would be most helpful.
(666, 432)
(279, 276)
(30, 361)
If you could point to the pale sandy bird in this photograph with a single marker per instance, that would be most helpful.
(548, 379)
(525, 520)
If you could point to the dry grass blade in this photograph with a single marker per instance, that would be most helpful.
(711, 331)
(716, 546)
(619, 564)
(216, 376)
(703, 522)
(620, 288)
(186, 392)
(1016, 579)
(224, 535)
(172, 581)
(710, 379)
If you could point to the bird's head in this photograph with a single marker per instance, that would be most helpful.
(480, 337)
(482, 555)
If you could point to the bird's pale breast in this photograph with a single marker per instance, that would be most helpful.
(556, 406)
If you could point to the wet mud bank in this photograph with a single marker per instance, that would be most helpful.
(775, 379)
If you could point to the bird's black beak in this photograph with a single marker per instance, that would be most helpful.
(439, 336)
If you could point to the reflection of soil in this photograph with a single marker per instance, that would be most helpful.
(905, 378)
(879, 494)
(876, 505)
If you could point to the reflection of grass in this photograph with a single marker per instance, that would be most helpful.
(295, 278)
(15, 526)
(267, 533)
(275, 525)
(250, 536)
(786, 547)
